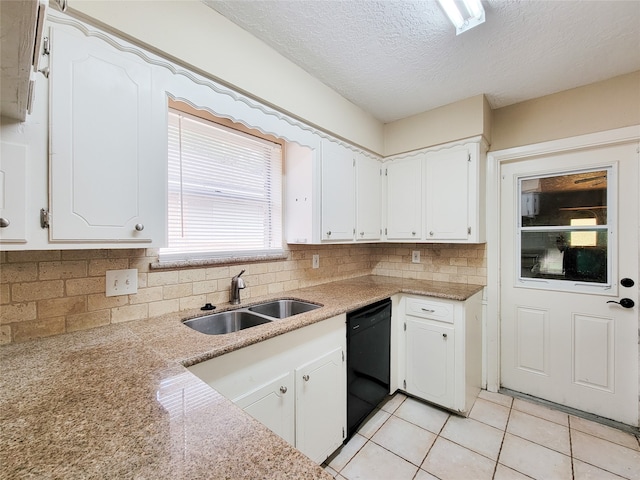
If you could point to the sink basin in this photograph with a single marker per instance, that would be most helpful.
(225, 322)
(283, 308)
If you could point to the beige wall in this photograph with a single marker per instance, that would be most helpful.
(606, 105)
(45, 293)
(195, 35)
(463, 119)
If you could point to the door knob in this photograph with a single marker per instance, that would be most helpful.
(624, 302)
(283, 389)
(627, 282)
(4, 222)
(139, 227)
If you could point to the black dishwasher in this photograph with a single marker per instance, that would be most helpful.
(368, 357)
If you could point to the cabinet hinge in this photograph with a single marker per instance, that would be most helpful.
(354, 162)
(469, 157)
(386, 172)
(354, 231)
(469, 230)
(405, 326)
(380, 172)
(46, 46)
(342, 356)
(404, 384)
(45, 218)
(385, 230)
(343, 434)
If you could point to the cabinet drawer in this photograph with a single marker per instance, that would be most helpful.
(435, 310)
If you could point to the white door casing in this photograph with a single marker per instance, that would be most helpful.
(569, 348)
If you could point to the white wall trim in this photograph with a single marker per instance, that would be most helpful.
(495, 160)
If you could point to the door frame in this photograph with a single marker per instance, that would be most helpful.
(495, 160)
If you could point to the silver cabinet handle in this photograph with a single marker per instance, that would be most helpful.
(305, 378)
(139, 227)
(283, 389)
(4, 222)
(428, 311)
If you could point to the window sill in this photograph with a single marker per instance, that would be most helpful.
(217, 262)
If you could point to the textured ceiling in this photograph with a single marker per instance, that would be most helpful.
(396, 58)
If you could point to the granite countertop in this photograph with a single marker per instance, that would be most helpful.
(118, 402)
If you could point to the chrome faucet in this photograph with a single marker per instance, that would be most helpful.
(237, 284)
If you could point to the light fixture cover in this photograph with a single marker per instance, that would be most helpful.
(464, 14)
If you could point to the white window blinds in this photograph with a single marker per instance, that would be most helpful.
(225, 192)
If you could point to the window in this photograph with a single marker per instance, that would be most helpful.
(564, 229)
(224, 190)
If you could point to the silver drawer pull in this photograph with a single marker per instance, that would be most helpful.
(305, 378)
(428, 311)
(283, 389)
(4, 222)
(444, 335)
(139, 227)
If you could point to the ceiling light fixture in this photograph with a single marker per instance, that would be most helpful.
(464, 14)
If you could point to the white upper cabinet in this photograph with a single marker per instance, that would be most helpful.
(108, 146)
(447, 195)
(404, 199)
(338, 192)
(368, 198)
(454, 194)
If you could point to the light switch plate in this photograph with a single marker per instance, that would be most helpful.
(415, 256)
(122, 282)
(315, 263)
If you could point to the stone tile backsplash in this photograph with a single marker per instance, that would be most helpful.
(45, 293)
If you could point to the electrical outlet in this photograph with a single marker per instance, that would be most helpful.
(122, 282)
(415, 256)
(315, 263)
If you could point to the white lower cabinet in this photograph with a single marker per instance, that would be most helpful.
(443, 350)
(295, 384)
(319, 395)
(430, 361)
(270, 405)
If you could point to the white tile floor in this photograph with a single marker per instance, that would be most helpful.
(503, 439)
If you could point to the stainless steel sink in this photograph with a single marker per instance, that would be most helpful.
(283, 308)
(226, 322)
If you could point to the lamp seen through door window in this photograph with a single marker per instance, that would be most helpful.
(584, 238)
(464, 14)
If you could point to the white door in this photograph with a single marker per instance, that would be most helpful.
(447, 195)
(368, 198)
(105, 161)
(338, 192)
(562, 264)
(430, 359)
(404, 199)
(321, 402)
(272, 404)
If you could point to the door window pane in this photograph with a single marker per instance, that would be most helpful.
(563, 227)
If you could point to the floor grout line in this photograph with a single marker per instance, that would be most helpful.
(504, 431)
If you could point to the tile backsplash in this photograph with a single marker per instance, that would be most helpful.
(45, 293)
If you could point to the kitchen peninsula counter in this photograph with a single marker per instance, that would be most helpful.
(118, 402)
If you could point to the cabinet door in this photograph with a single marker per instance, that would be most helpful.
(321, 405)
(13, 188)
(338, 192)
(404, 199)
(368, 198)
(447, 195)
(430, 367)
(104, 157)
(272, 404)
